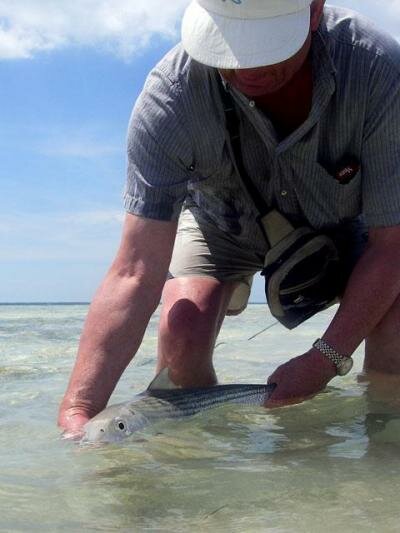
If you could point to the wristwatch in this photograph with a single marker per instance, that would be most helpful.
(343, 363)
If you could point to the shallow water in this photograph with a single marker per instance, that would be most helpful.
(330, 463)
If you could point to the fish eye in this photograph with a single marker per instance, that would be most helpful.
(121, 425)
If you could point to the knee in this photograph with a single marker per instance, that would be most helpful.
(186, 339)
(186, 319)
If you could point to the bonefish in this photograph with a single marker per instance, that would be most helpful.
(162, 400)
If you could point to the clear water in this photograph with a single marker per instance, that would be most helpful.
(329, 464)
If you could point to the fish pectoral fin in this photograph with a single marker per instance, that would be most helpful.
(162, 381)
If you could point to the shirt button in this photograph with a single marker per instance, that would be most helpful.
(252, 103)
(284, 193)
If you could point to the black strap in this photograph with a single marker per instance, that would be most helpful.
(233, 129)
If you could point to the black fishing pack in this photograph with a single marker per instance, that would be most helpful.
(301, 269)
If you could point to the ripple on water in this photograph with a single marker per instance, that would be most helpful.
(21, 372)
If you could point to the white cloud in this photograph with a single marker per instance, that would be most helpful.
(122, 26)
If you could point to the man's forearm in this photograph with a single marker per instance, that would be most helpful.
(112, 334)
(372, 289)
(118, 317)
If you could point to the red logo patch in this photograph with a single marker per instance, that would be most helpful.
(346, 173)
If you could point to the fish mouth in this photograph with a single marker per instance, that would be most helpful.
(98, 439)
(85, 443)
(93, 432)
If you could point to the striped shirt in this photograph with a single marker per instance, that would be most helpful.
(177, 141)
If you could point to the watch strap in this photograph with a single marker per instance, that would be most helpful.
(330, 352)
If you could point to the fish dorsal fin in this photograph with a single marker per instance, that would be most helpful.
(162, 381)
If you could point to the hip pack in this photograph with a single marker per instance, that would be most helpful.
(301, 269)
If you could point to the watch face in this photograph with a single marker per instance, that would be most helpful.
(345, 366)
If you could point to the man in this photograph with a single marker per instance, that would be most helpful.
(311, 86)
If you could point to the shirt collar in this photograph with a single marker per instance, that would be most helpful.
(324, 86)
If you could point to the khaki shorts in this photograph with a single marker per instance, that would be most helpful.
(206, 251)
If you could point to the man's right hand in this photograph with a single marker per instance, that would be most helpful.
(72, 421)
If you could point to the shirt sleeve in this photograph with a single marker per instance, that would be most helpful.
(159, 151)
(381, 150)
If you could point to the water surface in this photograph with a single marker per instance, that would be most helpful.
(329, 464)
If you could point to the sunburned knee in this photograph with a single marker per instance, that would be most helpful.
(185, 317)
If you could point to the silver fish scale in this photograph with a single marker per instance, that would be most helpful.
(186, 402)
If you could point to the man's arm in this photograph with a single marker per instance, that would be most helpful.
(118, 317)
(371, 291)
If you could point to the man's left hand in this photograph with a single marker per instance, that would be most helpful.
(300, 378)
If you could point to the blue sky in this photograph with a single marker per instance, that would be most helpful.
(68, 79)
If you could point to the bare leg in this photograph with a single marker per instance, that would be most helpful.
(382, 347)
(191, 316)
(382, 374)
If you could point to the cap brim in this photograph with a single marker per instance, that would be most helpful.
(231, 43)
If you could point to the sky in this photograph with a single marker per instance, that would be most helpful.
(70, 73)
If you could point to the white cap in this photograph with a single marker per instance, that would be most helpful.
(234, 34)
